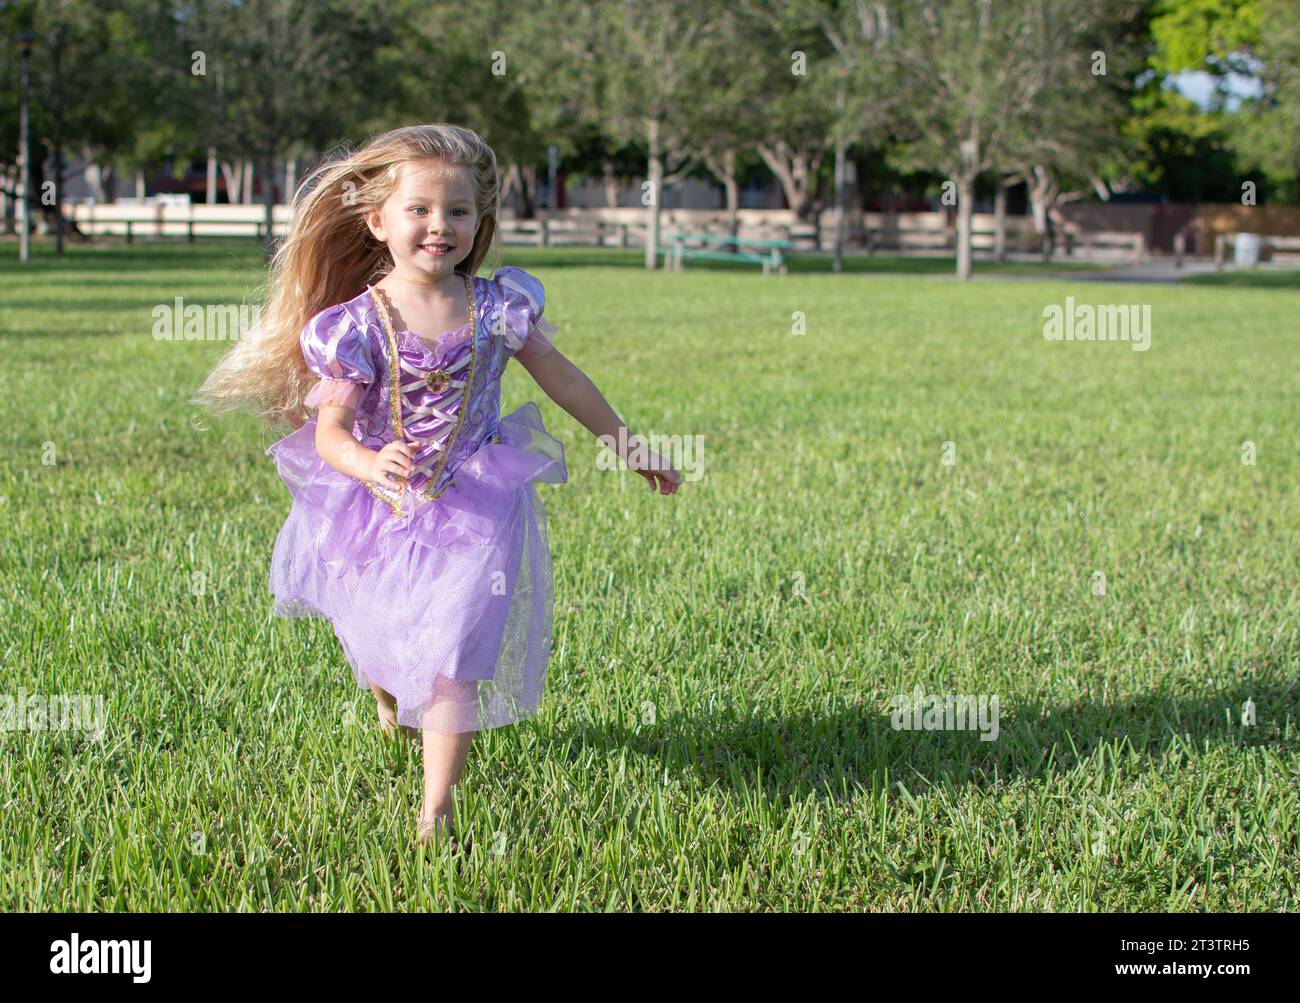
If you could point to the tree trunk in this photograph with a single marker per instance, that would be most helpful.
(1000, 221)
(853, 197)
(247, 198)
(509, 181)
(656, 173)
(1037, 198)
(58, 194)
(731, 186)
(93, 174)
(233, 172)
(139, 183)
(793, 169)
(786, 176)
(840, 153)
(1042, 194)
(268, 203)
(965, 205)
(290, 180)
(970, 158)
(212, 176)
(611, 184)
(528, 190)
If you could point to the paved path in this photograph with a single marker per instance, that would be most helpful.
(1156, 270)
(1161, 270)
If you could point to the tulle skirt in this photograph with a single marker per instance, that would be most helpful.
(448, 607)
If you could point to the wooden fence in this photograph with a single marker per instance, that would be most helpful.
(924, 232)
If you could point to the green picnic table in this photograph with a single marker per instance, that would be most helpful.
(711, 247)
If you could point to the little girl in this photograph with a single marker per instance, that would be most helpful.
(415, 526)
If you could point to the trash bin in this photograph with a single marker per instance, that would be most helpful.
(1245, 250)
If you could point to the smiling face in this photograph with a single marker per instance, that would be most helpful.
(429, 221)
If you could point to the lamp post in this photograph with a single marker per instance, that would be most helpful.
(24, 40)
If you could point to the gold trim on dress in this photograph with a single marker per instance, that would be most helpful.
(395, 399)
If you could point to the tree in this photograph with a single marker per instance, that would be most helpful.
(550, 81)
(292, 74)
(1012, 87)
(748, 57)
(656, 64)
(962, 63)
(1272, 124)
(865, 77)
(1268, 132)
(113, 45)
(1254, 38)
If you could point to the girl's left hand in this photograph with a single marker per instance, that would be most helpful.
(655, 469)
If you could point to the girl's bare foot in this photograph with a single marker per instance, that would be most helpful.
(387, 717)
(386, 705)
(434, 827)
(444, 757)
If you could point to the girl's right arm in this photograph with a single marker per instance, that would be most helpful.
(337, 447)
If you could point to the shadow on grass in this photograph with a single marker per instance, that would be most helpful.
(836, 752)
(106, 254)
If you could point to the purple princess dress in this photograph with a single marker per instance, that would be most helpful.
(440, 589)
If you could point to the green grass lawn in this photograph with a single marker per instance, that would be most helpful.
(716, 732)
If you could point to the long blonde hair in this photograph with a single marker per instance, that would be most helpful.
(330, 255)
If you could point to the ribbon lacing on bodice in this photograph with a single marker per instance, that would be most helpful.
(437, 381)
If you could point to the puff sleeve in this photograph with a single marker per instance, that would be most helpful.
(335, 348)
(523, 301)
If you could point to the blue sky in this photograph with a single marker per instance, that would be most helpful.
(1199, 86)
